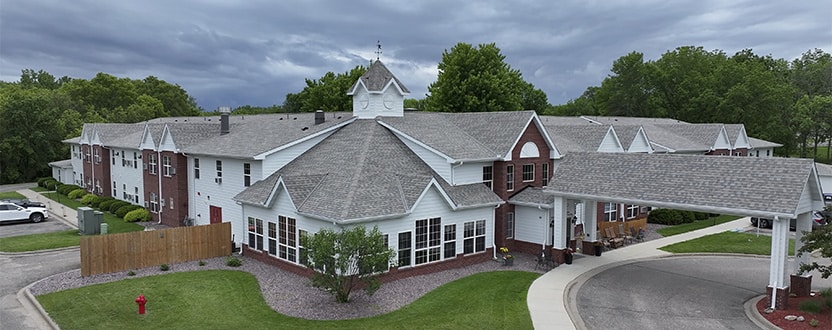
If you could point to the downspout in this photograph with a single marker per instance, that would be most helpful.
(493, 246)
(453, 169)
(159, 182)
(545, 230)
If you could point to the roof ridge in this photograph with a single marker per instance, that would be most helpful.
(360, 162)
(311, 192)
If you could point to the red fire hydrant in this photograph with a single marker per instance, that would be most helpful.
(141, 301)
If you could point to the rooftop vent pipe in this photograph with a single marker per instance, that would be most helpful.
(224, 125)
(319, 117)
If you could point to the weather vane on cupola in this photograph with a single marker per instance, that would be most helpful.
(378, 50)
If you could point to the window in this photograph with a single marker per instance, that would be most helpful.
(255, 233)
(510, 177)
(450, 241)
(115, 194)
(113, 158)
(151, 163)
(167, 169)
(123, 160)
(545, 176)
(272, 238)
(87, 154)
(196, 168)
(528, 172)
(135, 160)
(404, 249)
(246, 174)
(136, 194)
(302, 258)
(428, 238)
(98, 186)
(154, 203)
(487, 175)
(510, 225)
(610, 211)
(632, 211)
(288, 243)
(96, 155)
(473, 237)
(219, 168)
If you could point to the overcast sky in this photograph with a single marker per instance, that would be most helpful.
(229, 52)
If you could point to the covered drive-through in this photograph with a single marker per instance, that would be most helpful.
(775, 188)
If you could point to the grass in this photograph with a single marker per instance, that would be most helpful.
(696, 225)
(225, 299)
(39, 189)
(11, 195)
(727, 242)
(34, 242)
(114, 224)
(820, 156)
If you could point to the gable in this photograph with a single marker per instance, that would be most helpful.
(742, 140)
(722, 141)
(147, 140)
(166, 142)
(640, 142)
(610, 143)
(533, 131)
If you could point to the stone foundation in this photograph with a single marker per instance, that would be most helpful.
(780, 299)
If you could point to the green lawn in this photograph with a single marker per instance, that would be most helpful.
(114, 223)
(686, 227)
(727, 242)
(226, 299)
(11, 195)
(820, 156)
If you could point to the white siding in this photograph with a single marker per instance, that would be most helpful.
(376, 103)
(207, 192)
(77, 164)
(610, 143)
(277, 160)
(826, 184)
(469, 173)
(722, 141)
(640, 143)
(129, 176)
(438, 163)
(531, 224)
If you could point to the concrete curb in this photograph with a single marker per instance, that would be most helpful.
(754, 315)
(30, 303)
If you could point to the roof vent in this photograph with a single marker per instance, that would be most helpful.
(319, 117)
(224, 126)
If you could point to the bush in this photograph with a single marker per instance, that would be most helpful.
(810, 306)
(233, 262)
(97, 202)
(701, 215)
(164, 267)
(664, 217)
(131, 273)
(687, 216)
(42, 180)
(105, 205)
(67, 188)
(88, 199)
(116, 205)
(50, 184)
(77, 193)
(202, 262)
(122, 211)
(139, 214)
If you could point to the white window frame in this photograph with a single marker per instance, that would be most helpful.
(473, 232)
(151, 163)
(404, 247)
(509, 177)
(449, 241)
(167, 168)
(428, 245)
(510, 225)
(611, 212)
(287, 243)
(632, 211)
(246, 174)
(154, 203)
(529, 172)
(255, 231)
(545, 173)
(488, 175)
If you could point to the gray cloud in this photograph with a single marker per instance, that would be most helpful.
(255, 52)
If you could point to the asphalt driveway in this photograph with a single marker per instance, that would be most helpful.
(684, 292)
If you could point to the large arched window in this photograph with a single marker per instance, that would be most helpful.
(529, 150)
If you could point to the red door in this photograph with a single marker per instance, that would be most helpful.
(216, 214)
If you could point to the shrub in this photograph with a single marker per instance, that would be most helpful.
(116, 205)
(122, 211)
(164, 267)
(810, 306)
(77, 193)
(67, 188)
(139, 214)
(105, 205)
(42, 180)
(233, 262)
(89, 199)
(97, 202)
(687, 216)
(131, 273)
(701, 215)
(664, 217)
(202, 262)
(50, 184)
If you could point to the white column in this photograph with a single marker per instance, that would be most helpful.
(804, 223)
(561, 223)
(779, 253)
(590, 220)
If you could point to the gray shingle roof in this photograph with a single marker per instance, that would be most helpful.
(582, 138)
(759, 143)
(66, 163)
(680, 181)
(377, 77)
(661, 137)
(733, 132)
(533, 196)
(464, 136)
(361, 171)
(824, 169)
(704, 134)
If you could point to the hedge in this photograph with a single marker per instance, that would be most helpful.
(105, 205)
(67, 188)
(97, 202)
(41, 181)
(77, 193)
(140, 214)
(116, 205)
(88, 199)
(122, 211)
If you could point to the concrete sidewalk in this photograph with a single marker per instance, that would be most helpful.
(548, 298)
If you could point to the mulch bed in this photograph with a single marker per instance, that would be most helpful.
(792, 308)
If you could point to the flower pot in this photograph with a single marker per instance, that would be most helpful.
(568, 258)
(509, 262)
(598, 250)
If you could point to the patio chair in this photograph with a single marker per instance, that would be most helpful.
(615, 242)
(545, 260)
(640, 235)
(623, 234)
(603, 240)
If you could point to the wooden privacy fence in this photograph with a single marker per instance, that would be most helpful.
(117, 252)
(637, 223)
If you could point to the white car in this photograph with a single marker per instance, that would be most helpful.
(14, 212)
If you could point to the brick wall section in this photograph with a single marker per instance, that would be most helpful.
(781, 299)
(392, 275)
(531, 134)
(176, 187)
(102, 171)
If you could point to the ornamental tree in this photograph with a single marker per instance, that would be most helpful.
(347, 259)
(818, 240)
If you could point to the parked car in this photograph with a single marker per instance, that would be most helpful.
(24, 202)
(818, 220)
(827, 198)
(14, 212)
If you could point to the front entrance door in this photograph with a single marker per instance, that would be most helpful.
(216, 214)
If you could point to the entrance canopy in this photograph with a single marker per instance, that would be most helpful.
(745, 186)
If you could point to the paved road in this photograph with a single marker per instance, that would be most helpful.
(22, 270)
(17, 186)
(696, 292)
(25, 228)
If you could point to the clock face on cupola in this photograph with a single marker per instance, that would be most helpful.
(378, 93)
(363, 101)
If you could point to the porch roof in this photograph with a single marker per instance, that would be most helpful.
(746, 186)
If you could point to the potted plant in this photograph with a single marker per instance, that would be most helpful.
(568, 255)
(599, 247)
(508, 259)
